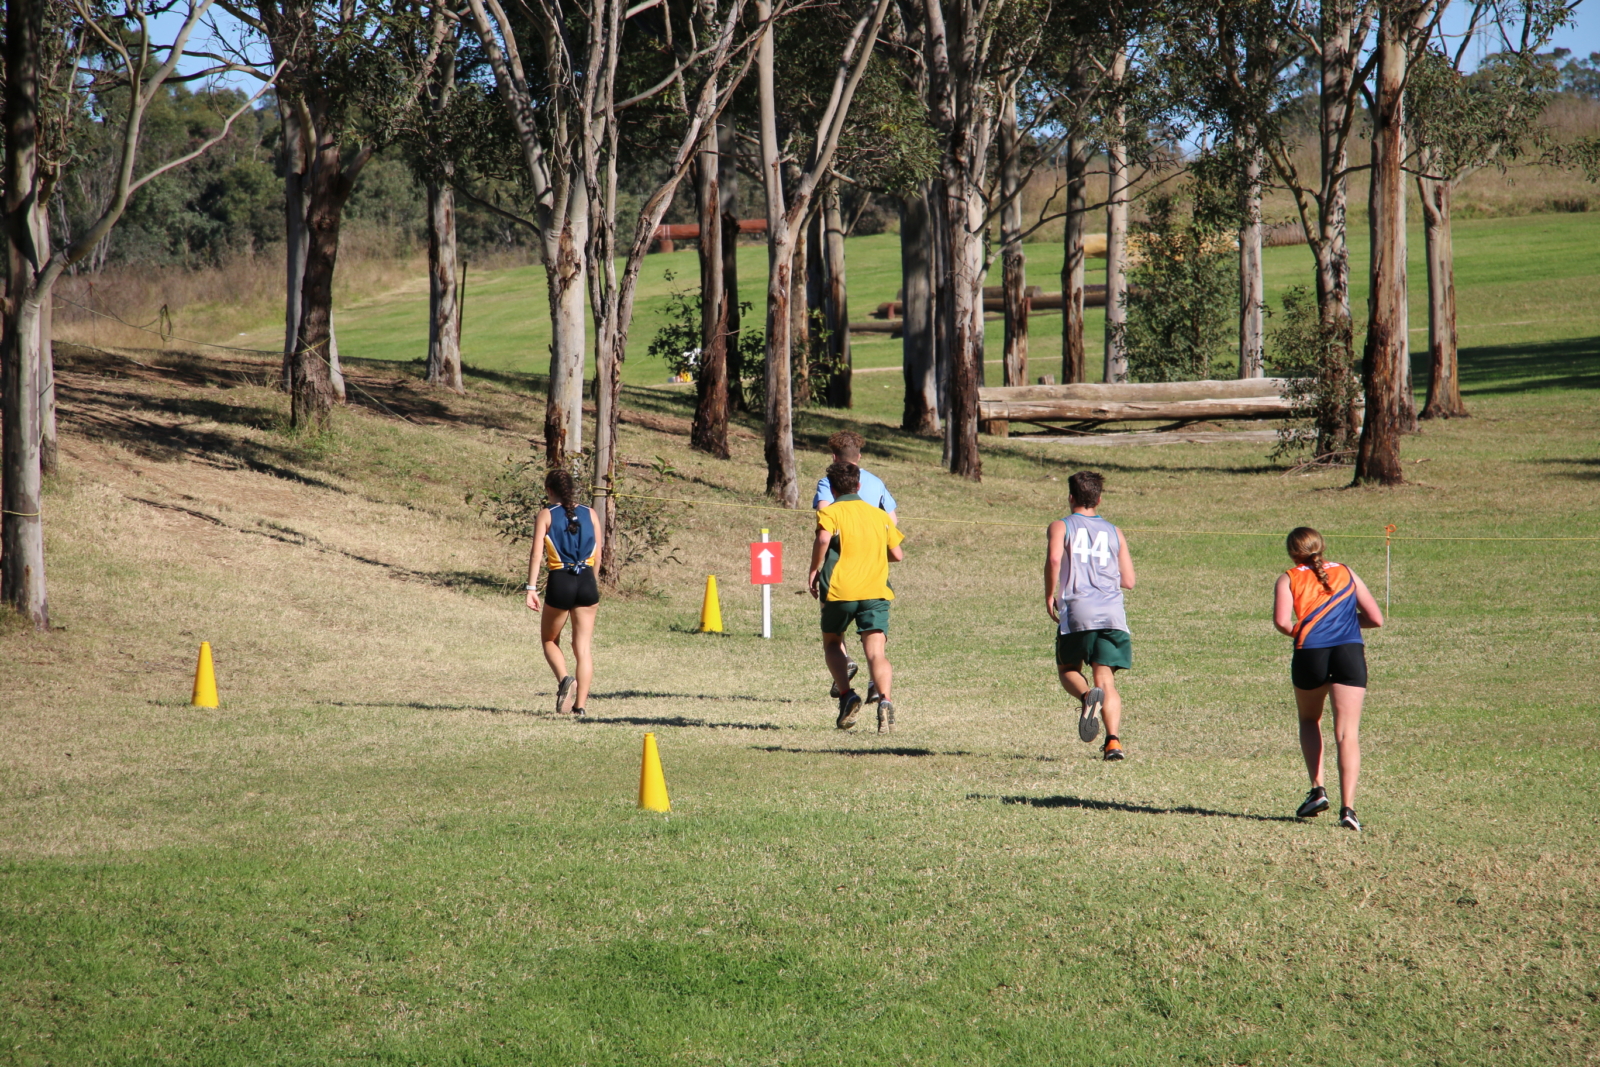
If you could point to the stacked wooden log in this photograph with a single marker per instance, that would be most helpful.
(1091, 404)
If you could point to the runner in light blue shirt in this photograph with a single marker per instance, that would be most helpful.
(846, 448)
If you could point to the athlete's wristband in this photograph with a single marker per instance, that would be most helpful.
(531, 588)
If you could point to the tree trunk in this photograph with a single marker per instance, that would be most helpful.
(782, 474)
(1444, 381)
(565, 282)
(1116, 361)
(1378, 456)
(444, 326)
(835, 304)
(1252, 285)
(311, 390)
(728, 180)
(944, 313)
(49, 441)
(1073, 360)
(294, 230)
(22, 584)
(920, 413)
(1335, 99)
(965, 211)
(1014, 262)
(710, 430)
(805, 294)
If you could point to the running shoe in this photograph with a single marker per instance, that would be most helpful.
(885, 716)
(1348, 820)
(849, 708)
(577, 713)
(1089, 716)
(566, 695)
(1316, 803)
(1113, 750)
(849, 672)
(873, 696)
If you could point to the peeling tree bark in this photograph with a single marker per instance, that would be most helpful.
(1444, 380)
(1116, 357)
(778, 437)
(710, 430)
(1378, 456)
(728, 179)
(835, 304)
(444, 311)
(22, 577)
(294, 229)
(1013, 260)
(920, 411)
(1073, 359)
(1252, 284)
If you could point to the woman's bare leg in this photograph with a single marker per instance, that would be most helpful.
(551, 620)
(1309, 702)
(1347, 701)
(582, 649)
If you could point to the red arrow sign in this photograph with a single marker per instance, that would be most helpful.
(766, 562)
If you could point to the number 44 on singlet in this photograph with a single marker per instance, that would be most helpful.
(1100, 551)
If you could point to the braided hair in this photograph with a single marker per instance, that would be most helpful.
(564, 491)
(1305, 548)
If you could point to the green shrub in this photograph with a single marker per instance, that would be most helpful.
(1183, 293)
(1324, 383)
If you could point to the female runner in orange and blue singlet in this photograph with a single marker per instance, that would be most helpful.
(1324, 607)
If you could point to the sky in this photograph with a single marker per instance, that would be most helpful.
(1582, 35)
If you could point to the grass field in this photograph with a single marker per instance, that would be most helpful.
(385, 847)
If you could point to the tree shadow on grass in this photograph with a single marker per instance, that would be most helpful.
(680, 721)
(651, 694)
(1588, 470)
(1521, 368)
(882, 750)
(1135, 809)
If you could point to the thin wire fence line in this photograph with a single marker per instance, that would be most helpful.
(1131, 529)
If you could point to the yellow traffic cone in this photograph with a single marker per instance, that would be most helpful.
(205, 679)
(652, 784)
(711, 608)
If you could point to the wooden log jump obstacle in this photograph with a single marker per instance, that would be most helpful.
(669, 232)
(1082, 408)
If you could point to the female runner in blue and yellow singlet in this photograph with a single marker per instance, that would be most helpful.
(1324, 607)
(567, 540)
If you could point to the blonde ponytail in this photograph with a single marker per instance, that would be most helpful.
(1305, 548)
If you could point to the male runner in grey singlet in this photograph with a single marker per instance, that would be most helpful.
(1086, 568)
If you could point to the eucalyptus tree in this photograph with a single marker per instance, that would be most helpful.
(434, 150)
(530, 52)
(582, 48)
(1404, 29)
(111, 53)
(1247, 70)
(1101, 83)
(786, 211)
(1462, 121)
(343, 92)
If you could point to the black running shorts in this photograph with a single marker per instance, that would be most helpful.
(1313, 668)
(565, 590)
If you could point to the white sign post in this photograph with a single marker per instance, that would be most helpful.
(766, 591)
(766, 570)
